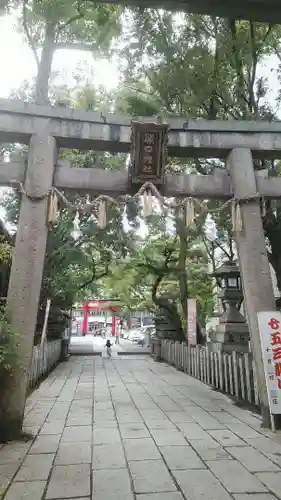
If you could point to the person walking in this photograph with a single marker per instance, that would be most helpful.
(108, 348)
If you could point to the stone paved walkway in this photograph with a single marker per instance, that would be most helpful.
(134, 429)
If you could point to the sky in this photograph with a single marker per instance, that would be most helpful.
(18, 64)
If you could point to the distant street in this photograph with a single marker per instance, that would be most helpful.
(90, 344)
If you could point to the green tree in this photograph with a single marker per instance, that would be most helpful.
(51, 25)
(203, 67)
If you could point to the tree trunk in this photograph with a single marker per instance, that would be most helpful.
(168, 324)
(45, 65)
(182, 275)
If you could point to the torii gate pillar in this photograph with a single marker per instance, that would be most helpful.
(253, 260)
(26, 274)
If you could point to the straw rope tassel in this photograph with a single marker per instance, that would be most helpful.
(237, 222)
(102, 214)
(147, 203)
(53, 208)
(189, 213)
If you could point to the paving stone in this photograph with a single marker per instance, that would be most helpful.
(7, 471)
(252, 459)
(160, 424)
(166, 404)
(143, 449)
(106, 424)
(74, 453)
(35, 468)
(77, 434)
(200, 485)
(133, 431)
(13, 452)
(209, 423)
(128, 417)
(106, 456)
(272, 480)
(171, 438)
(254, 496)
(106, 405)
(79, 420)
(179, 416)
(45, 444)
(181, 458)
(106, 436)
(101, 415)
(162, 496)
(151, 476)
(83, 404)
(53, 427)
(227, 438)
(234, 477)
(243, 430)
(209, 452)
(268, 447)
(112, 485)
(142, 401)
(31, 430)
(192, 431)
(69, 481)
(31, 490)
(224, 417)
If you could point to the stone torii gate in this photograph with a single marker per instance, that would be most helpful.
(45, 129)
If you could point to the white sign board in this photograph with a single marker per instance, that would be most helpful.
(191, 321)
(270, 335)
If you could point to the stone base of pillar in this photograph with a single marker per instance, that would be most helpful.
(229, 337)
(156, 349)
(64, 353)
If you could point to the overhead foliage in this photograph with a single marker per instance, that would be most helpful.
(203, 67)
(171, 64)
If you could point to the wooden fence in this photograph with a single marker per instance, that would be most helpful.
(44, 359)
(232, 373)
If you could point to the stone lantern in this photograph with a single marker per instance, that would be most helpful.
(232, 331)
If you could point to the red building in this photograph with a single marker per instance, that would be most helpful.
(100, 305)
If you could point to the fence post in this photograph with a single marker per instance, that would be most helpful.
(248, 377)
(230, 369)
(221, 384)
(235, 372)
(242, 377)
(197, 362)
(212, 369)
(207, 354)
(226, 384)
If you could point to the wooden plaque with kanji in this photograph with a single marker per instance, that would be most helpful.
(148, 155)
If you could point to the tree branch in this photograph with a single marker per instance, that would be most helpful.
(27, 32)
(213, 111)
(252, 101)
(239, 69)
(223, 249)
(70, 21)
(94, 277)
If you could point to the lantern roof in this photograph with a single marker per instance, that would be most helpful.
(227, 269)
